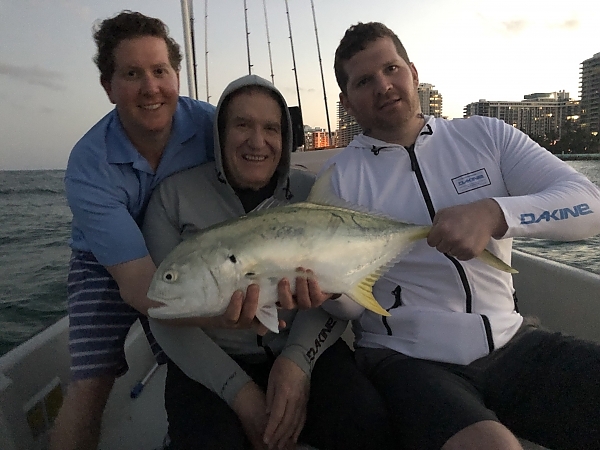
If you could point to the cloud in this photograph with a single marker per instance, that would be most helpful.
(515, 26)
(47, 110)
(571, 24)
(34, 75)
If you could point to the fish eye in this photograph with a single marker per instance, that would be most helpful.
(169, 276)
(232, 258)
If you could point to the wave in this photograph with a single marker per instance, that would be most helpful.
(31, 191)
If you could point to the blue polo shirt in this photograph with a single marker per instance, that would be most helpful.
(108, 183)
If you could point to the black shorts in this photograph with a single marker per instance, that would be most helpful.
(545, 387)
(344, 410)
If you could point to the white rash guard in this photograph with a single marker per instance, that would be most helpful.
(444, 309)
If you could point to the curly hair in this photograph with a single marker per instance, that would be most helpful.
(109, 33)
(355, 40)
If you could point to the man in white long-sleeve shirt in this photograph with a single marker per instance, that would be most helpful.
(457, 364)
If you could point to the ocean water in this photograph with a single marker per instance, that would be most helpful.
(34, 231)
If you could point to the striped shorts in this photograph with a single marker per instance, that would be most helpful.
(99, 321)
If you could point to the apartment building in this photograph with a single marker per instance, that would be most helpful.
(539, 114)
(430, 99)
(590, 94)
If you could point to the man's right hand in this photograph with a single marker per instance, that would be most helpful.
(250, 405)
(239, 315)
(241, 312)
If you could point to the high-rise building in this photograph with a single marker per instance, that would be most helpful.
(347, 126)
(315, 138)
(539, 114)
(430, 99)
(590, 94)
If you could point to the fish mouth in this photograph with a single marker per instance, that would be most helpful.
(167, 312)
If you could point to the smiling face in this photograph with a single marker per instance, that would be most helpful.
(144, 88)
(252, 139)
(381, 92)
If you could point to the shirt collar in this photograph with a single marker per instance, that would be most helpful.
(120, 150)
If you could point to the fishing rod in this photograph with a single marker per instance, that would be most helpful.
(287, 11)
(206, 48)
(247, 38)
(268, 41)
(312, 5)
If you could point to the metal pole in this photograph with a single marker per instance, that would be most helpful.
(312, 5)
(247, 38)
(206, 47)
(194, 63)
(287, 11)
(188, 46)
(268, 42)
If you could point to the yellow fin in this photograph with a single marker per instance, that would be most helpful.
(362, 293)
(492, 260)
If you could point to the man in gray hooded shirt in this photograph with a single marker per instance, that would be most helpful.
(226, 386)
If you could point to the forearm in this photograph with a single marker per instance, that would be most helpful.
(134, 278)
(569, 211)
(313, 331)
(201, 359)
(343, 308)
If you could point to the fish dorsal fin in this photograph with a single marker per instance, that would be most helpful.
(271, 202)
(322, 194)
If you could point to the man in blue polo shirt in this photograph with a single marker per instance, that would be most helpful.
(151, 134)
(112, 170)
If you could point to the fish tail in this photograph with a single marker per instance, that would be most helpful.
(362, 293)
(492, 260)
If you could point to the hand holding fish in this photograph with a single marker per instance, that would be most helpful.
(287, 396)
(463, 231)
(241, 312)
(308, 293)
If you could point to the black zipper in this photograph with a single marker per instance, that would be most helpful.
(414, 165)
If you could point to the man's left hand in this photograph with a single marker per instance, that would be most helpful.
(287, 396)
(308, 293)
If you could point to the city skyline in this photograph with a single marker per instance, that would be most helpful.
(468, 49)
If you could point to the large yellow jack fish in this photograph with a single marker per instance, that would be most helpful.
(347, 250)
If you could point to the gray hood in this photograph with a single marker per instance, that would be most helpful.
(283, 170)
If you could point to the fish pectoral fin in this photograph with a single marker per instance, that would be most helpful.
(492, 260)
(268, 316)
(362, 293)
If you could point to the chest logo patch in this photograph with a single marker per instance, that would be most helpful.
(471, 181)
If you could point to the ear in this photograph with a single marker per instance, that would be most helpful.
(346, 104)
(178, 82)
(107, 88)
(415, 74)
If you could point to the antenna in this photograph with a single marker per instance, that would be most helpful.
(268, 42)
(206, 47)
(312, 5)
(247, 38)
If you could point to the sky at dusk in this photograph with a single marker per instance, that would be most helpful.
(50, 94)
